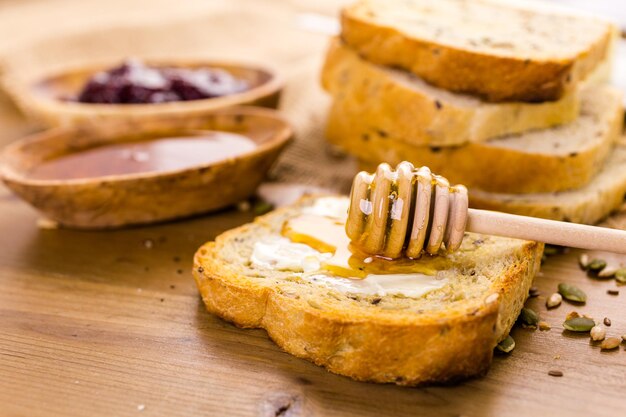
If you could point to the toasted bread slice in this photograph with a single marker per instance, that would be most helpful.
(409, 109)
(550, 160)
(481, 47)
(442, 335)
(589, 204)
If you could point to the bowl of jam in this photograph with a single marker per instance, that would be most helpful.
(88, 179)
(121, 96)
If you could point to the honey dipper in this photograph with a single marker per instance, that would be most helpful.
(403, 212)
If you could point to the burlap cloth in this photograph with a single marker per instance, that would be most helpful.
(290, 35)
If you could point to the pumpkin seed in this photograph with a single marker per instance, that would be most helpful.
(528, 317)
(610, 343)
(262, 207)
(597, 265)
(506, 345)
(572, 293)
(583, 260)
(597, 333)
(554, 300)
(579, 324)
(620, 275)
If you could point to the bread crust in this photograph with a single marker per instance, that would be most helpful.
(485, 165)
(427, 116)
(382, 347)
(492, 77)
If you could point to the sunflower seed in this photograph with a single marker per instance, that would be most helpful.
(554, 300)
(607, 322)
(597, 265)
(620, 275)
(608, 272)
(610, 343)
(579, 324)
(528, 317)
(506, 345)
(583, 260)
(597, 333)
(612, 292)
(572, 293)
(554, 372)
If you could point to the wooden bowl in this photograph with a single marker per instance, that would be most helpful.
(47, 99)
(129, 199)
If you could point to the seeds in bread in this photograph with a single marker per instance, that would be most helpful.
(409, 109)
(550, 160)
(481, 47)
(447, 334)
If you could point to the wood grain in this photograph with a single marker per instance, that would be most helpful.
(103, 324)
(100, 323)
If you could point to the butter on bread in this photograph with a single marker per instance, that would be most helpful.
(558, 159)
(497, 51)
(445, 334)
(398, 104)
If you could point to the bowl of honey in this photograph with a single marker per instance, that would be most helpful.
(89, 179)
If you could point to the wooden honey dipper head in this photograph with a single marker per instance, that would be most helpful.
(406, 211)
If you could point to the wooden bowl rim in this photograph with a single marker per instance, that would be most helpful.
(282, 135)
(274, 83)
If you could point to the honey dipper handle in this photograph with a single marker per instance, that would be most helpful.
(547, 231)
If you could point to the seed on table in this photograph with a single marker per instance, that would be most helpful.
(620, 275)
(572, 293)
(506, 345)
(554, 300)
(612, 292)
(597, 333)
(597, 265)
(544, 326)
(533, 292)
(579, 324)
(572, 315)
(583, 260)
(528, 317)
(607, 322)
(554, 372)
(608, 272)
(610, 343)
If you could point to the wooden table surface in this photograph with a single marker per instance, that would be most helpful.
(111, 324)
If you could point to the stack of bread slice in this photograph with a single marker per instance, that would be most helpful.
(509, 101)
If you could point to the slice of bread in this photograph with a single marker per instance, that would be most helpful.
(481, 47)
(557, 159)
(589, 204)
(407, 108)
(446, 334)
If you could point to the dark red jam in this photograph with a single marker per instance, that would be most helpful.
(133, 82)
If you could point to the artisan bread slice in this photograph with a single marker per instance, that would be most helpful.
(550, 160)
(588, 204)
(481, 47)
(398, 104)
(445, 334)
